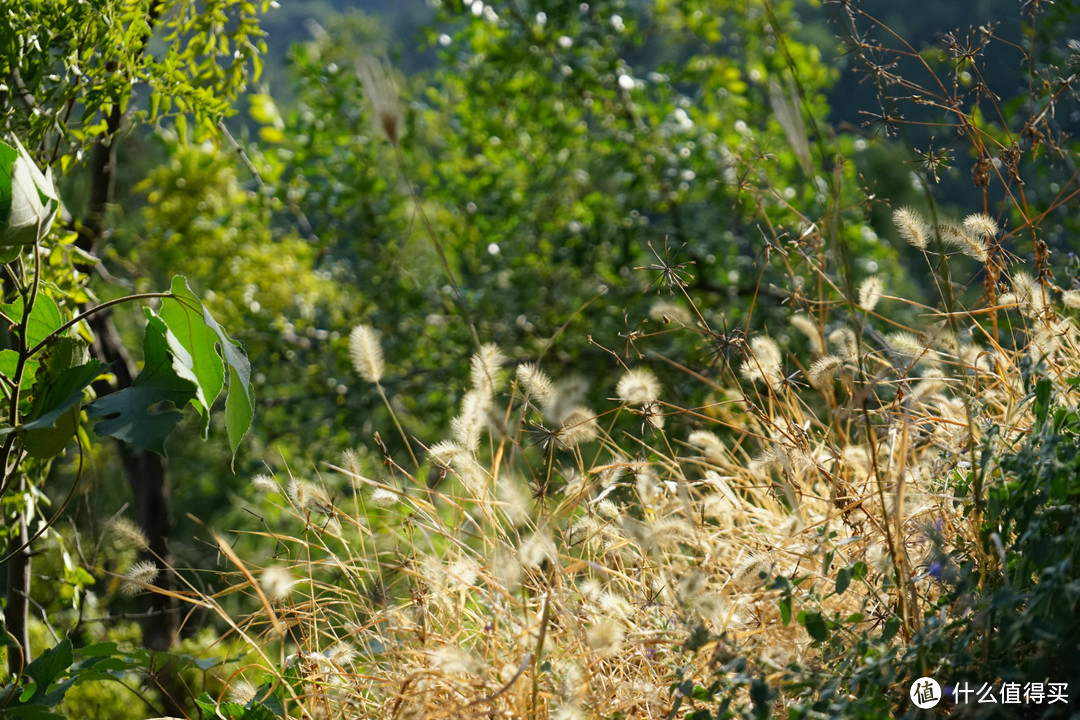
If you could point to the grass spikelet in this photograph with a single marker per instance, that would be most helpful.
(142, 573)
(1071, 299)
(486, 369)
(276, 582)
(708, 443)
(980, 225)
(381, 91)
(468, 427)
(537, 384)
(823, 371)
(605, 637)
(264, 484)
(381, 497)
(806, 325)
(537, 549)
(579, 427)
(847, 347)
(128, 534)
(870, 292)
(366, 353)
(960, 237)
(638, 387)
(764, 362)
(308, 496)
(444, 453)
(912, 227)
(906, 344)
(341, 654)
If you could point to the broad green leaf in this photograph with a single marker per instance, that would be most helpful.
(196, 339)
(144, 414)
(9, 360)
(28, 201)
(193, 345)
(58, 395)
(49, 666)
(45, 317)
(60, 384)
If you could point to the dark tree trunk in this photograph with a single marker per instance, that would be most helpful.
(17, 610)
(145, 470)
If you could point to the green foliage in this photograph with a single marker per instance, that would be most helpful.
(73, 64)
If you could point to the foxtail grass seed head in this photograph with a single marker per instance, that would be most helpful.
(381, 497)
(870, 292)
(605, 637)
(455, 660)
(308, 496)
(964, 240)
(579, 427)
(486, 369)
(264, 484)
(847, 347)
(144, 572)
(444, 453)
(350, 462)
(277, 582)
(366, 353)
(708, 443)
(809, 328)
(537, 384)
(906, 344)
(912, 227)
(823, 371)
(764, 362)
(382, 93)
(241, 691)
(981, 225)
(638, 387)
(341, 653)
(127, 534)
(538, 548)
(468, 427)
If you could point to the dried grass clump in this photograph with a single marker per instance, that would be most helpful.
(556, 567)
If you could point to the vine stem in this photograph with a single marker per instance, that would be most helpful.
(97, 308)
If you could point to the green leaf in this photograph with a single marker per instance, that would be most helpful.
(9, 360)
(44, 320)
(144, 414)
(892, 626)
(815, 625)
(843, 580)
(194, 339)
(785, 609)
(46, 668)
(28, 201)
(57, 397)
(1042, 401)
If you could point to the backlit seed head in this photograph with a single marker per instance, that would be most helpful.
(638, 387)
(366, 353)
(277, 582)
(144, 572)
(381, 91)
(912, 227)
(128, 534)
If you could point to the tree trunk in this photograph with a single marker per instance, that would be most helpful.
(145, 470)
(17, 610)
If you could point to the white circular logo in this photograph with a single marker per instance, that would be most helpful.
(925, 692)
